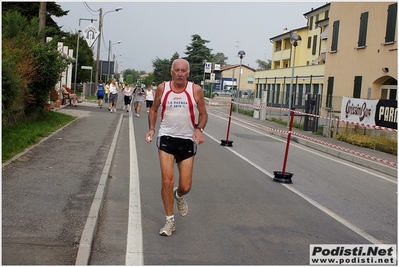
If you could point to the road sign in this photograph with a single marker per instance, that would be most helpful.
(90, 33)
(208, 67)
(86, 68)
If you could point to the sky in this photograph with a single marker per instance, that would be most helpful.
(150, 30)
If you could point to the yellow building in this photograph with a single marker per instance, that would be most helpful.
(361, 53)
(307, 60)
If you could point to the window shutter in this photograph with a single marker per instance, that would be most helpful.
(334, 42)
(391, 23)
(330, 89)
(309, 41)
(357, 88)
(314, 45)
(363, 29)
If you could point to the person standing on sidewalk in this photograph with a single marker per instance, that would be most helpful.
(128, 96)
(113, 95)
(138, 99)
(149, 97)
(100, 93)
(178, 136)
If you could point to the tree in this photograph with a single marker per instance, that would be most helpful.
(196, 53)
(85, 58)
(161, 70)
(219, 58)
(263, 65)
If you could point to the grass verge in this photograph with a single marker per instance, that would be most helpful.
(17, 138)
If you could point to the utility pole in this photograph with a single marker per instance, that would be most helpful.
(98, 47)
(42, 21)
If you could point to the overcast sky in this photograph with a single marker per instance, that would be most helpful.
(151, 30)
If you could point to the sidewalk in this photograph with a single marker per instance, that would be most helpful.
(48, 190)
(366, 157)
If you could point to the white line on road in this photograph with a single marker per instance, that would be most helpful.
(308, 199)
(134, 247)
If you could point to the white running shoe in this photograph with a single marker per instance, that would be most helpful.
(168, 228)
(182, 206)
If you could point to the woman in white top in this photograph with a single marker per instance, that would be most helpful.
(149, 97)
(128, 96)
(113, 95)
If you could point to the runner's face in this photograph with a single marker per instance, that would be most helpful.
(180, 71)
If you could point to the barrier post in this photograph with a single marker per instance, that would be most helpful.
(228, 142)
(285, 177)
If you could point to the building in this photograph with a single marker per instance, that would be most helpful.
(228, 73)
(361, 53)
(302, 65)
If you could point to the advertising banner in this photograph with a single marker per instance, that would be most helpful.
(386, 114)
(358, 110)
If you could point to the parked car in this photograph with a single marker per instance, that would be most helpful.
(223, 93)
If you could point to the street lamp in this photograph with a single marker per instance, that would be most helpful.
(109, 51)
(77, 53)
(101, 17)
(241, 54)
(295, 40)
(116, 64)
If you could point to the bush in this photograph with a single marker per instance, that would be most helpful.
(381, 143)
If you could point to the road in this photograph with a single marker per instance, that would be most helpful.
(237, 213)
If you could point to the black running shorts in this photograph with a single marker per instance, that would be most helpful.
(180, 148)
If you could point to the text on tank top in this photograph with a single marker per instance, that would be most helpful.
(178, 112)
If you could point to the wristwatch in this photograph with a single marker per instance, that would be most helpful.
(199, 129)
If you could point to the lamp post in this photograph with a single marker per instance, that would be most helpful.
(101, 17)
(109, 52)
(203, 85)
(116, 64)
(241, 55)
(77, 53)
(295, 40)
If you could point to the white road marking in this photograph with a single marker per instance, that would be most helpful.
(343, 162)
(311, 201)
(134, 247)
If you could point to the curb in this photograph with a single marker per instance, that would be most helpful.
(86, 240)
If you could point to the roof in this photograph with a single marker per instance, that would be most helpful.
(233, 66)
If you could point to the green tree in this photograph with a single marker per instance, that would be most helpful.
(129, 79)
(197, 53)
(263, 65)
(161, 70)
(30, 10)
(85, 57)
(219, 58)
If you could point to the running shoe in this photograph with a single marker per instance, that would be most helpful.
(168, 228)
(182, 206)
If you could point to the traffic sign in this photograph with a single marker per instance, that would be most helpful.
(90, 33)
(86, 68)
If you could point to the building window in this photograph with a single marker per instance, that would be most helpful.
(391, 23)
(357, 88)
(326, 14)
(330, 89)
(310, 23)
(334, 42)
(314, 45)
(309, 41)
(278, 46)
(363, 29)
(250, 79)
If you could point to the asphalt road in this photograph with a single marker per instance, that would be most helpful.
(237, 213)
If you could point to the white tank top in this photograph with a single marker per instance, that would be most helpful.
(178, 112)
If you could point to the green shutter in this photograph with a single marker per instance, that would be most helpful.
(363, 29)
(314, 45)
(330, 89)
(391, 23)
(334, 42)
(357, 88)
(309, 41)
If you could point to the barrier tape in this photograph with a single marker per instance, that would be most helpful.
(313, 115)
(261, 127)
